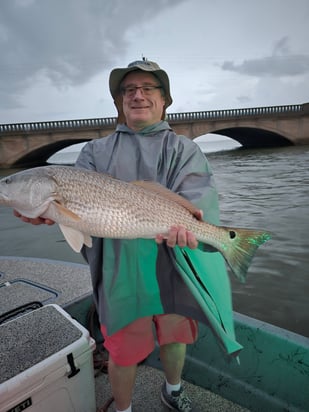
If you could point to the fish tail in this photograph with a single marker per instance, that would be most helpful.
(241, 248)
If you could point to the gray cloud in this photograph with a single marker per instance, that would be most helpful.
(281, 63)
(68, 41)
(271, 66)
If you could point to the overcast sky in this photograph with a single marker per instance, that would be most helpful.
(56, 55)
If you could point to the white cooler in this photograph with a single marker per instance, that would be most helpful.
(46, 363)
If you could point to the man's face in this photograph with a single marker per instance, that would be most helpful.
(142, 109)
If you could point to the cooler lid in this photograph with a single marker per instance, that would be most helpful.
(32, 338)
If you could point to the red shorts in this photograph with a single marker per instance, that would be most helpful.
(133, 343)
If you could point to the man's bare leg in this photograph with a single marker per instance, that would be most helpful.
(122, 380)
(173, 358)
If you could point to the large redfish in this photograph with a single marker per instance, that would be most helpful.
(86, 203)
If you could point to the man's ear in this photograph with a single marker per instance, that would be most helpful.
(118, 103)
(163, 117)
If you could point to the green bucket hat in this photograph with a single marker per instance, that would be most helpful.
(118, 74)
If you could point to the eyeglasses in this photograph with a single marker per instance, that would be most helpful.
(130, 91)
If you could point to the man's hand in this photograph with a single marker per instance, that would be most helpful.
(178, 235)
(33, 221)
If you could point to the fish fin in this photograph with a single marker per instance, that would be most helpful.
(242, 248)
(167, 193)
(75, 238)
(65, 211)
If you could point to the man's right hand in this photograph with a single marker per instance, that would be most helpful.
(34, 221)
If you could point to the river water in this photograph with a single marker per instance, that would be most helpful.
(258, 188)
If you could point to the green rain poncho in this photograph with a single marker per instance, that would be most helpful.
(136, 278)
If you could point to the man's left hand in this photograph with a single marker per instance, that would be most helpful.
(178, 235)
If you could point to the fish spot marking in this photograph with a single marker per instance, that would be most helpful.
(232, 234)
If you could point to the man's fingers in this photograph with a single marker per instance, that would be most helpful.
(181, 237)
(191, 240)
(172, 236)
(159, 239)
(178, 235)
(199, 215)
(17, 214)
(33, 221)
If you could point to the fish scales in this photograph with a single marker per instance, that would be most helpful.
(119, 209)
(86, 203)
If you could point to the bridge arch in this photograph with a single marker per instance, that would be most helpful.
(40, 155)
(251, 137)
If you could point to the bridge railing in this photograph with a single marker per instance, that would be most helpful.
(107, 122)
(58, 124)
(228, 113)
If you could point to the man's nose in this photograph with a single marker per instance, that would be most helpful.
(138, 92)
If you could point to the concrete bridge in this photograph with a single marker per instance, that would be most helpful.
(31, 144)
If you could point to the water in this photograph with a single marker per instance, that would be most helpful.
(260, 188)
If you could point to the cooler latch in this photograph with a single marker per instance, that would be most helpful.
(74, 369)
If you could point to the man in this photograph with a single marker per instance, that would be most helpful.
(138, 283)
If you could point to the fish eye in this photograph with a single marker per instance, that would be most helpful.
(7, 180)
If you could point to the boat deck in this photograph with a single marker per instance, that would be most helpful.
(147, 394)
(69, 286)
